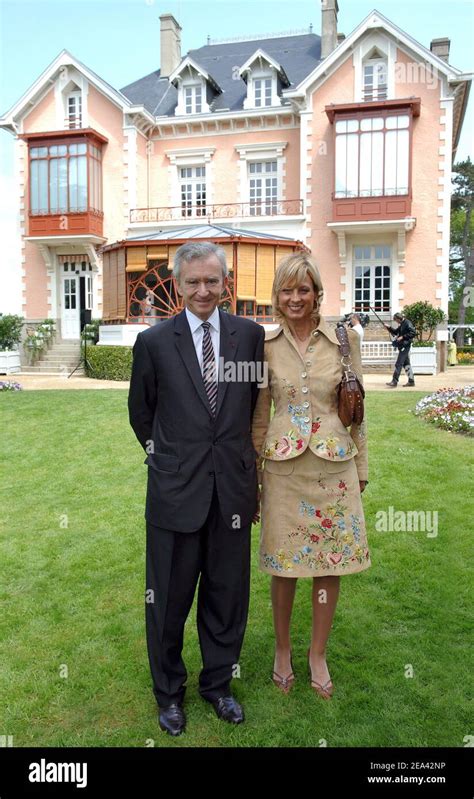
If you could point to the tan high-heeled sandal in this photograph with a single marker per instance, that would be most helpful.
(284, 683)
(325, 690)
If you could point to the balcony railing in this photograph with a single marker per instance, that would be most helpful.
(263, 208)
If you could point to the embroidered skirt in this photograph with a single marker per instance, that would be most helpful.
(313, 521)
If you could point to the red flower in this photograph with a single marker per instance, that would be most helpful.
(299, 443)
(318, 513)
(342, 484)
(315, 427)
(314, 538)
(326, 523)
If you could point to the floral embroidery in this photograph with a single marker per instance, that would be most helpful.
(361, 431)
(329, 540)
(290, 389)
(331, 446)
(299, 416)
(284, 446)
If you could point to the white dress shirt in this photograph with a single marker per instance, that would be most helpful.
(359, 329)
(197, 332)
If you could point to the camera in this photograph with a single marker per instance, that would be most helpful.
(363, 318)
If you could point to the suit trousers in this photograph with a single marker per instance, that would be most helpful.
(219, 557)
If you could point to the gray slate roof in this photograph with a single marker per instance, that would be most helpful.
(298, 55)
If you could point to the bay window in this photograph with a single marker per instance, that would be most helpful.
(65, 178)
(372, 156)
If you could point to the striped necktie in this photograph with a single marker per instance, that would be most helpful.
(209, 367)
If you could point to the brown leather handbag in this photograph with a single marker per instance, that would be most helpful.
(350, 391)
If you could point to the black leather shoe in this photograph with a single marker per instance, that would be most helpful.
(172, 719)
(392, 384)
(410, 383)
(228, 709)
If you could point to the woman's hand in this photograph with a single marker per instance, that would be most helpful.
(256, 517)
(362, 485)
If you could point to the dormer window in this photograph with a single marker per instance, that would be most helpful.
(374, 79)
(262, 90)
(193, 99)
(196, 88)
(74, 110)
(265, 79)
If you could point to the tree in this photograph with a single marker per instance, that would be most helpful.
(461, 262)
(424, 317)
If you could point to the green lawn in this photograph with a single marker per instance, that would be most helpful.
(72, 590)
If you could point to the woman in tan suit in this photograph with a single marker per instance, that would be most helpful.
(312, 468)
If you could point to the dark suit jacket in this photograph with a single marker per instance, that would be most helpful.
(168, 406)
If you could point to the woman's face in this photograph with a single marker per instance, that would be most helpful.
(298, 301)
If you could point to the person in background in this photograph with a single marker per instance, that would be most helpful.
(404, 334)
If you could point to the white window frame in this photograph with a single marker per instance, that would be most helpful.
(268, 203)
(271, 151)
(375, 45)
(379, 88)
(192, 156)
(262, 75)
(77, 97)
(193, 84)
(372, 262)
(193, 181)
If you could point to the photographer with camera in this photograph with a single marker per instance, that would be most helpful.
(404, 335)
(357, 322)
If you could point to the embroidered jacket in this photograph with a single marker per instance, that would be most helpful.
(303, 390)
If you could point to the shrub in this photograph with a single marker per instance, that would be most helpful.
(10, 331)
(424, 317)
(109, 362)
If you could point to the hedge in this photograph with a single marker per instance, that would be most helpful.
(109, 362)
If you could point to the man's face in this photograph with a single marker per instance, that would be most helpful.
(201, 285)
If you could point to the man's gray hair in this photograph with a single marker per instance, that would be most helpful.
(198, 249)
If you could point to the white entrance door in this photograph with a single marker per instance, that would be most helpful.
(70, 306)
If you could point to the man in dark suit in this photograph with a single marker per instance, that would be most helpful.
(191, 403)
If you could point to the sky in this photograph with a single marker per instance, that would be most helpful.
(119, 40)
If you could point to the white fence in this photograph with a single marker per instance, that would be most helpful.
(378, 352)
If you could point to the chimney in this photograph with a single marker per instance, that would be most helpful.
(440, 47)
(170, 44)
(329, 11)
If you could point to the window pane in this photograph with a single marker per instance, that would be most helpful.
(53, 186)
(34, 186)
(352, 125)
(377, 164)
(402, 161)
(73, 184)
(365, 163)
(352, 165)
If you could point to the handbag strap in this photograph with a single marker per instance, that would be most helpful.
(343, 338)
(344, 346)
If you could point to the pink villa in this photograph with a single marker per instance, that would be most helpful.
(340, 145)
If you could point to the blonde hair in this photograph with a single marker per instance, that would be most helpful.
(290, 272)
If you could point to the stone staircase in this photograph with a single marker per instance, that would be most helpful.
(60, 359)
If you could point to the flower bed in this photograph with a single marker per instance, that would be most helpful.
(10, 385)
(449, 408)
